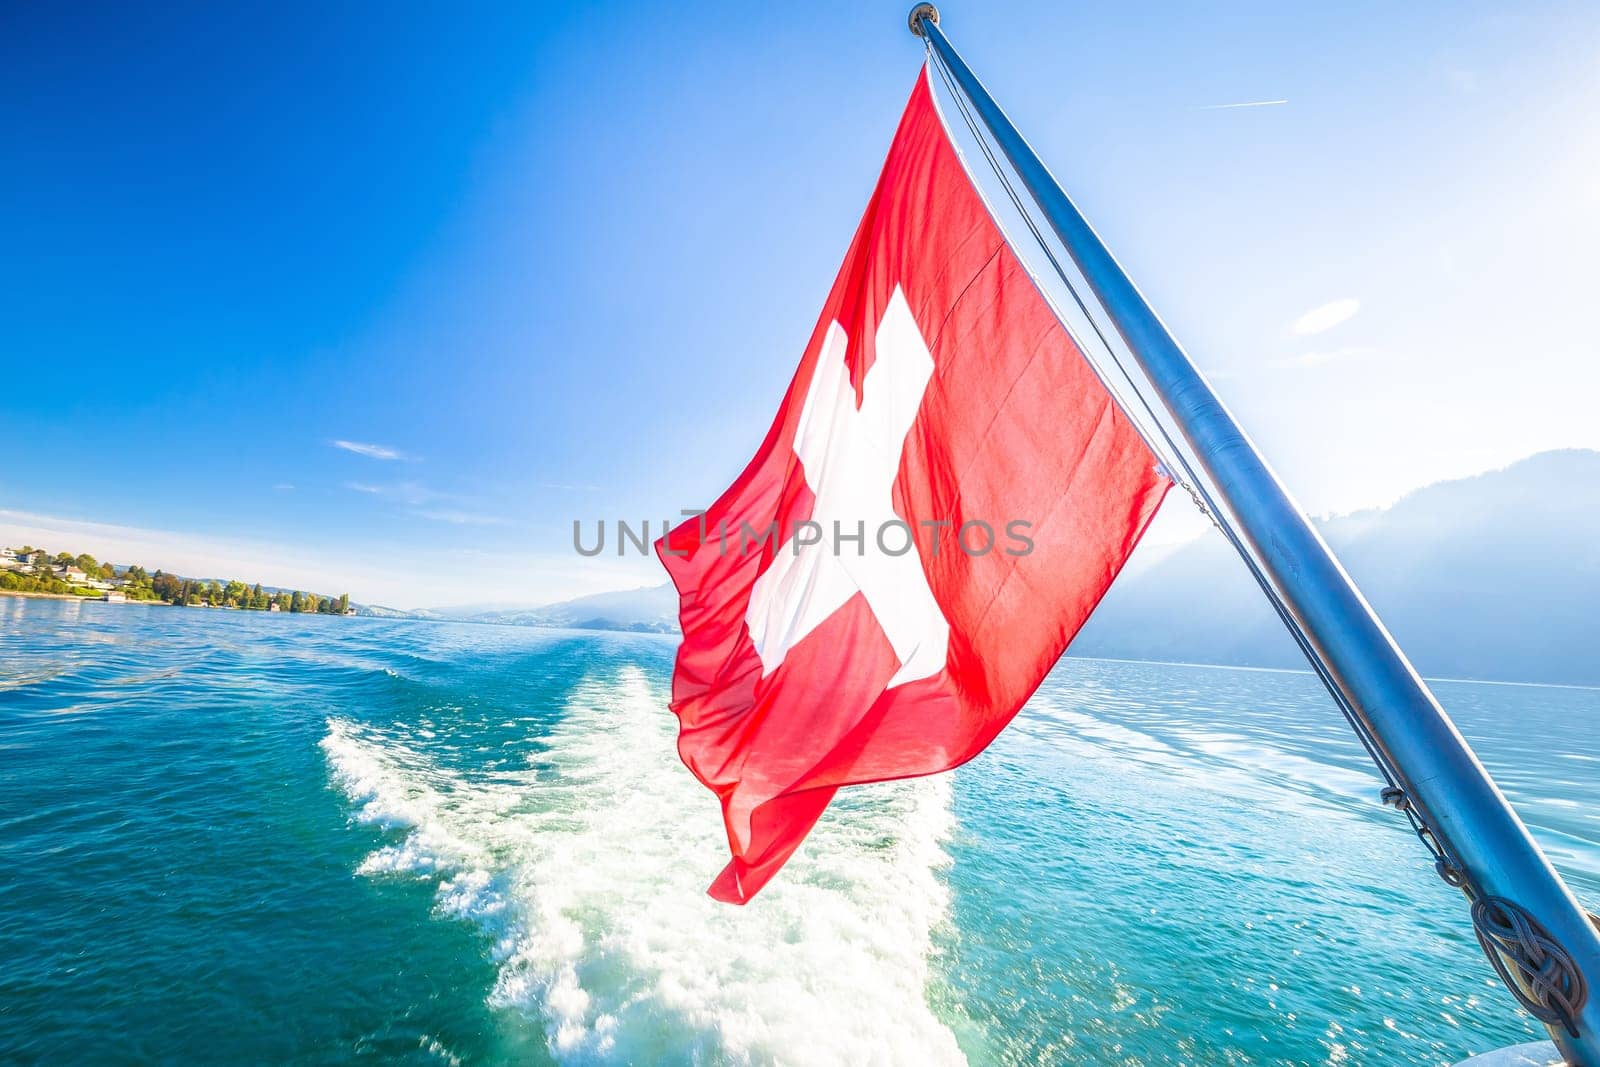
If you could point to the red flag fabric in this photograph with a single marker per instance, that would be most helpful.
(947, 492)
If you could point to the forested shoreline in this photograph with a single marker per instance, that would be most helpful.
(35, 570)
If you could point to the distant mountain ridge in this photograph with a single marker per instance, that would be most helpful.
(649, 609)
(1495, 576)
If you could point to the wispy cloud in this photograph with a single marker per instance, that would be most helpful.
(1246, 103)
(427, 503)
(361, 448)
(461, 518)
(1325, 317)
(283, 487)
(410, 493)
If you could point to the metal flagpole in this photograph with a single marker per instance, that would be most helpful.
(1536, 934)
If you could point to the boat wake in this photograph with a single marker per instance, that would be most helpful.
(586, 864)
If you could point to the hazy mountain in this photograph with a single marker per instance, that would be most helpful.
(378, 611)
(1495, 576)
(652, 609)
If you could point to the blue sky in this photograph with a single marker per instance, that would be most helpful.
(558, 263)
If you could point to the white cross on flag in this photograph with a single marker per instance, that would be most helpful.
(944, 497)
(850, 458)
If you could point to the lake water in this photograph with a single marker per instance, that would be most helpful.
(230, 837)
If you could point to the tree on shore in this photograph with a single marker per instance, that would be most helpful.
(167, 586)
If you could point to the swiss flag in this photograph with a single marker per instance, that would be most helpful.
(947, 492)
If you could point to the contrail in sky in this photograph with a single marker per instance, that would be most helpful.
(1248, 103)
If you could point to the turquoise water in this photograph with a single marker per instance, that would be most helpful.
(232, 837)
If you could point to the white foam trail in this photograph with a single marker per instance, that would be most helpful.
(590, 875)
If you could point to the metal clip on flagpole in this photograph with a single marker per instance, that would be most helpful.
(1535, 933)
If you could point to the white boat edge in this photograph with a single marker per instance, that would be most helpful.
(1533, 1054)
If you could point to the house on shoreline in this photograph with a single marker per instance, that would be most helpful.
(74, 575)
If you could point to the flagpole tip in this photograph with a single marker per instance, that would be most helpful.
(920, 12)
